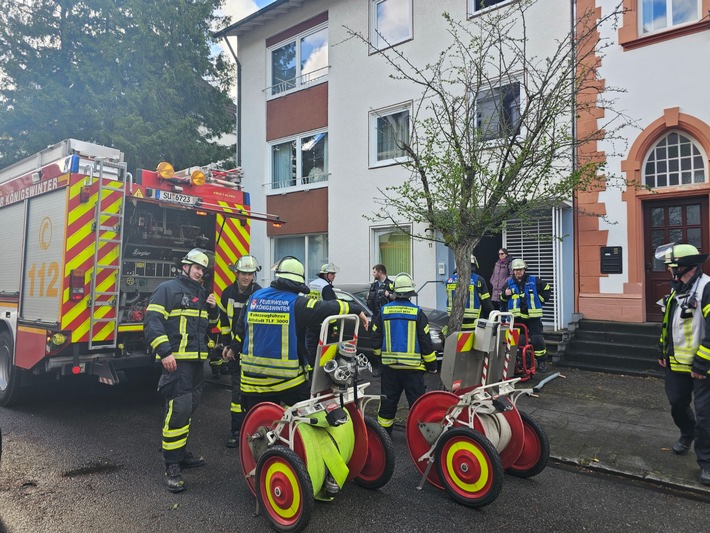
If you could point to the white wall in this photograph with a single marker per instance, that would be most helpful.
(663, 75)
(358, 83)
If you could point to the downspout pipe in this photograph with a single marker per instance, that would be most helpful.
(238, 117)
(575, 232)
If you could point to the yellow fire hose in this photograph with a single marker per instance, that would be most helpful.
(327, 449)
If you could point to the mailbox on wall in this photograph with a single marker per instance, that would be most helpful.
(611, 260)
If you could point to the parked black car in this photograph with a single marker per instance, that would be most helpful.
(358, 293)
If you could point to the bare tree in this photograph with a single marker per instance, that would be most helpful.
(493, 132)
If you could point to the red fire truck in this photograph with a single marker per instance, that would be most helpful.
(86, 243)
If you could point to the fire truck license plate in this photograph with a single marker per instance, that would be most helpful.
(176, 198)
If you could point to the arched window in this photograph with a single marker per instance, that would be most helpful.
(675, 159)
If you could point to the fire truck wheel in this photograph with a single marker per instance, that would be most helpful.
(379, 465)
(469, 467)
(9, 373)
(536, 449)
(284, 490)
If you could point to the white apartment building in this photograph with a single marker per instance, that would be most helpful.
(317, 115)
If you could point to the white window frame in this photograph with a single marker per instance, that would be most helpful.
(301, 182)
(374, 134)
(380, 42)
(376, 233)
(301, 81)
(669, 14)
(310, 270)
(508, 80)
(474, 10)
(668, 159)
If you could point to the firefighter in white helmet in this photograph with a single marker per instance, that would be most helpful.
(685, 350)
(269, 339)
(321, 289)
(525, 295)
(177, 320)
(400, 336)
(478, 301)
(231, 307)
(322, 286)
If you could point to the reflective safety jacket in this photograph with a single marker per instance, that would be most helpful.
(273, 356)
(527, 296)
(177, 319)
(231, 304)
(685, 334)
(477, 294)
(321, 289)
(400, 335)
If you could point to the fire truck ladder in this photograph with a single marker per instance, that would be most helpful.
(106, 280)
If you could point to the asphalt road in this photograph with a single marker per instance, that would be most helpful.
(87, 458)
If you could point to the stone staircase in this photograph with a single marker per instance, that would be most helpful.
(605, 346)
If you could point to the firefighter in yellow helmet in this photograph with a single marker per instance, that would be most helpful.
(685, 350)
(270, 337)
(525, 295)
(231, 307)
(177, 320)
(400, 336)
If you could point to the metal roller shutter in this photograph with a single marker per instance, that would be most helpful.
(536, 242)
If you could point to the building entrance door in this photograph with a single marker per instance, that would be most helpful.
(677, 220)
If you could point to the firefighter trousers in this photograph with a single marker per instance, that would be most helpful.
(236, 410)
(181, 390)
(682, 390)
(534, 325)
(393, 382)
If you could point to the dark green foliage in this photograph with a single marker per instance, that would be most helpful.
(138, 75)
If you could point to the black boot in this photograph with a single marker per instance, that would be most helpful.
(173, 478)
(233, 441)
(190, 460)
(541, 365)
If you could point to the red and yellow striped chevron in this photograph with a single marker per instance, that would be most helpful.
(464, 342)
(79, 254)
(233, 235)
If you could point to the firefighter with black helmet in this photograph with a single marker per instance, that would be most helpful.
(231, 307)
(685, 350)
(271, 336)
(400, 336)
(177, 320)
(478, 301)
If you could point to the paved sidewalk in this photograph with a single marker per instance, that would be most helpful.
(606, 422)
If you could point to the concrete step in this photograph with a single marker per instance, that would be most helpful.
(625, 339)
(610, 368)
(619, 349)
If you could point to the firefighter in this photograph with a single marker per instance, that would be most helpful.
(271, 337)
(525, 295)
(231, 306)
(400, 336)
(685, 351)
(177, 320)
(321, 288)
(478, 302)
